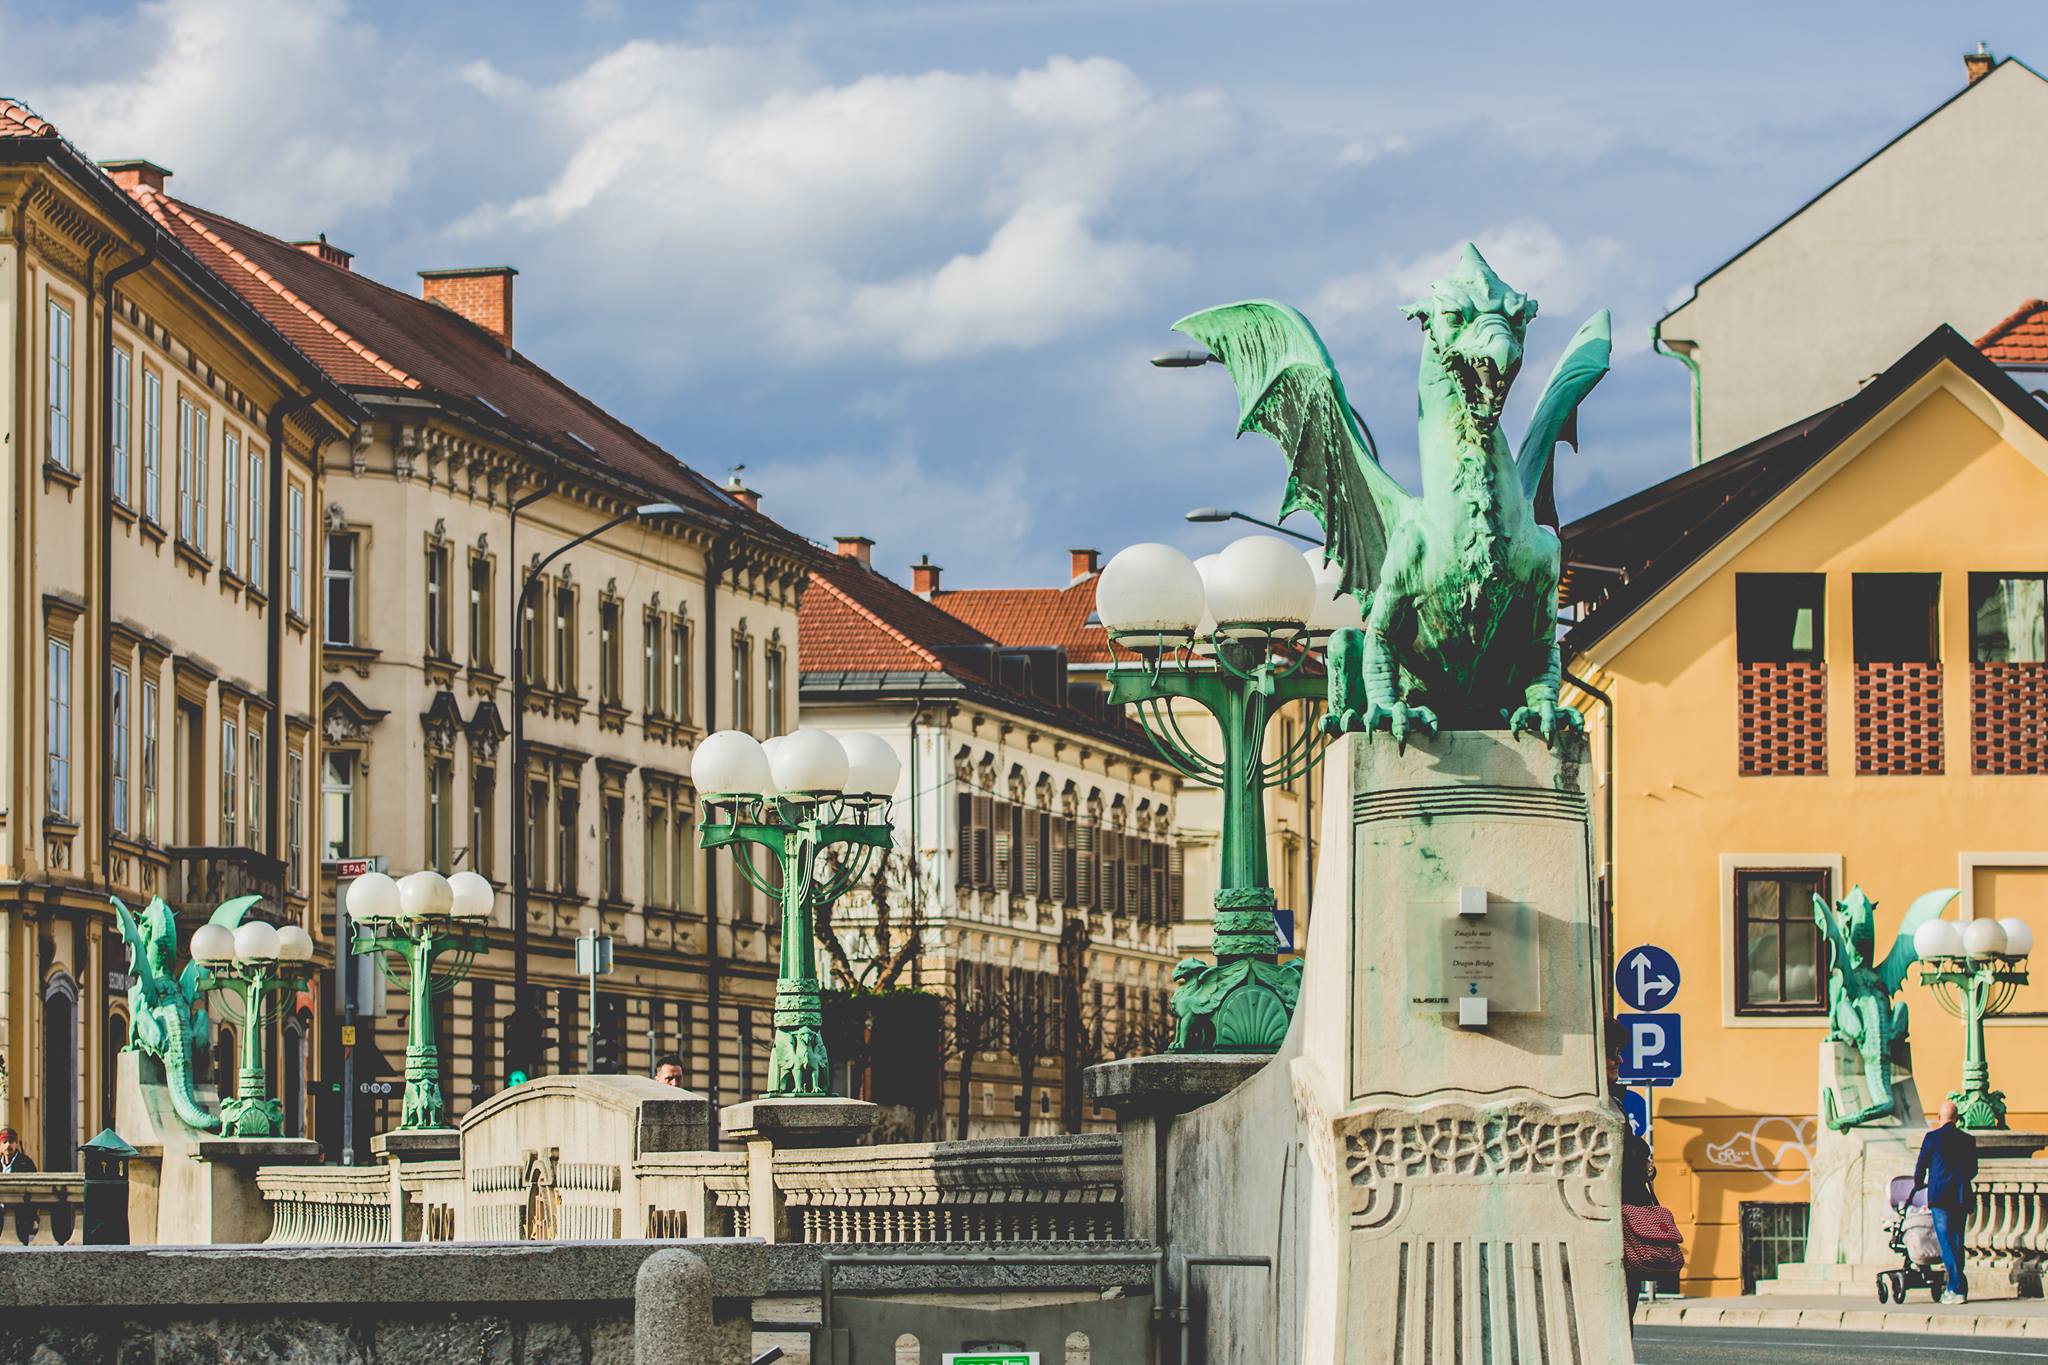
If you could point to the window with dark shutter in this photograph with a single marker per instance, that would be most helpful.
(963, 857)
(1059, 882)
(1003, 812)
(1084, 868)
(1176, 880)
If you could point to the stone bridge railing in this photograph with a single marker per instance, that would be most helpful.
(2008, 1229)
(42, 1210)
(995, 1190)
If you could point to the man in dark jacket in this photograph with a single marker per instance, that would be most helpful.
(14, 1161)
(1948, 1162)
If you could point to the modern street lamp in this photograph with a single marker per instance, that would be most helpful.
(1232, 514)
(1975, 968)
(796, 796)
(262, 964)
(1235, 634)
(524, 1031)
(427, 930)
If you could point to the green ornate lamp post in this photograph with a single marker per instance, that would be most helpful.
(1235, 634)
(1975, 969)
(262, 964)
(427, 931)
(796, 796)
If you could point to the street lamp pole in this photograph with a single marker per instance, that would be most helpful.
(524, 1030)
(1232, 514)
(1975, 969)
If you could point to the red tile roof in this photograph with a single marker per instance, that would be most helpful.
(18, 120)
(373, 339)
(2022, 339)
(1034, 616)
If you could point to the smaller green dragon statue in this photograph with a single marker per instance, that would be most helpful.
(1458, 586)
(1861, 1011)
(164, 1009)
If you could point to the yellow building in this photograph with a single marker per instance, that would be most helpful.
(1823, 655)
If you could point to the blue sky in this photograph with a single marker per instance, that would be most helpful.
(905, 262)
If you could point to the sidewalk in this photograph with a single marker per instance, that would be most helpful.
(1981, 1317)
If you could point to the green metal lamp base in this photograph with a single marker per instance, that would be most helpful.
(1238, 1005)
(423, 1106)
(797, 1066)
(1980, 1109)
(253, 1117)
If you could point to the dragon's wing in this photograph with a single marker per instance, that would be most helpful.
(1902, 956)
(195, 978)
(131, 933)
(1830, 925)
(1288, 389)
(1582, 366)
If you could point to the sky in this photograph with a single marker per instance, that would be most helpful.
(905, 262)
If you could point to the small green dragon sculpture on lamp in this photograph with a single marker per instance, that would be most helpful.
(163, 1008)
(1861, 1011)
(1458, 586)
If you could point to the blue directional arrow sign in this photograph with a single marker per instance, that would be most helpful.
(1636, 1105)
(1283, 920)
(1646, 978)
(1651, 1053)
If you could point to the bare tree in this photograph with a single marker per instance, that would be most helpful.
(974, 1025)
(1031, 1027)
(1081, 1044)
(873, 957)
(1146, 1028)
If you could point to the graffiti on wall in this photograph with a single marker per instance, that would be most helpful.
(1766, 1146)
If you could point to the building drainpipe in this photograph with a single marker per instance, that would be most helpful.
(1606, 835)
(1685, 358)
(715, 565)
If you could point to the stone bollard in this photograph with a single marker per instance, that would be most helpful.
(672, 1321)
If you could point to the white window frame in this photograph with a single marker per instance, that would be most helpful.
(258, 508)
(231, 501)
(294, 819)
(149, 758)
(295, 551)
(119, 707)
(230, 783)
(152, 445)
(58, 372)
(329, 576)
(119, 383)
(253, 766)
(57, 680)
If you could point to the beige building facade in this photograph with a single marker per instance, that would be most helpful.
(1944, 224)
(159, 437)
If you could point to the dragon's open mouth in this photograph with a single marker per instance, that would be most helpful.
(1485, 387)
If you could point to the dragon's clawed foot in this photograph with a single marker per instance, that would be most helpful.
(1400, 720)
(1548, 719)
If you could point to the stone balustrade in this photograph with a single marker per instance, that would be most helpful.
(2008, 1230)
(327, 1205)
(41, 1210)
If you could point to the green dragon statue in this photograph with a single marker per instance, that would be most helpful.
(164, 1009)
(1861, 1011)
(1459, 586)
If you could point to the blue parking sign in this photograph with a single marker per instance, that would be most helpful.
(1652, 1051)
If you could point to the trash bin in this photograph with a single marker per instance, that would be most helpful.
(106, 1188)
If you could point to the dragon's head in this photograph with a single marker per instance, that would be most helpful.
(1859, 921)
(1474, 324)
(159, 935)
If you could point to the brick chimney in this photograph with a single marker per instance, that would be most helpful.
(320, 249)
(129, 174)
(1977, 64)
(1085, 562)
(924, 577)
(858, 548)
(482, 293)
(736, 489)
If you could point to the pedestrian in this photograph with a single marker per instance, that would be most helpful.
(1947, 1165)
(14, 1161)
(1650, 1245)
(669, 1070)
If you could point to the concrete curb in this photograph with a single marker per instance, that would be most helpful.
(1706, 1313)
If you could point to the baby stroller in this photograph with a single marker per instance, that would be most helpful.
(1911, 1234)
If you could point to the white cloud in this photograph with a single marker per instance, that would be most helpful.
(220, 79)
(1528, 255)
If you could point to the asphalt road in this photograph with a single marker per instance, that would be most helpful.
(1739, 1346)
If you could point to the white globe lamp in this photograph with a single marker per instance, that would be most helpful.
(1334, 608)
(810, 763)
(471, 896)
(373, 896)
(294, 944)
(871, 764)
(1260, 583)
(1149, 595)
(1938, 938)
(2019, 936)
(1983, 938)
(729, 764)
(424, 895)
(256, 942)
(213, 945)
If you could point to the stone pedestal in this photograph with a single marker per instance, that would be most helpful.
(417, 1144)
(1428, 1189)
(189, 1187)
(793, 1122)
(1851, 1171)
(1148, 1094)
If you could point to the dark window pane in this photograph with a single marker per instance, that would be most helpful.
(1897, 618)
(2008, 622)
(1780, 617)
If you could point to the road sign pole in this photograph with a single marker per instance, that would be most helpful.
(590, 1024)
(345, 964)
